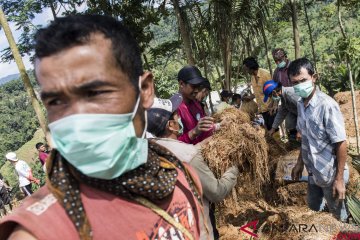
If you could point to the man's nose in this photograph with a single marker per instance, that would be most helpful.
(77, 107)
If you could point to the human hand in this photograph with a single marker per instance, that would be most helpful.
(204, 124)
(298, 136)
(296, 172)
(339, 189)
(270, 132)
(36, 181)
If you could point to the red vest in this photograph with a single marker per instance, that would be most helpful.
(111, 217)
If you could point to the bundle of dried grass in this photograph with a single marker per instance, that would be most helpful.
(238, 144)
(293, 194)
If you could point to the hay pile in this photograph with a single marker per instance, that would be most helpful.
(293, 194)
(238, 144)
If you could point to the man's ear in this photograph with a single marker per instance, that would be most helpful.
(315, 77)
(171, 125)
(181, 84)
(147, 90)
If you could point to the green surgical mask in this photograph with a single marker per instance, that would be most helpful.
(304, 89)
(204, 100)
(101, 146)
(181, 129)
(276, 99)
(282, 64)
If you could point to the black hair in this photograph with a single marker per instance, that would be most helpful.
(225, 94)
(251, 63)
(296, 65)
(39, 144)
(74, 30)
(236, 97)
(278, 87)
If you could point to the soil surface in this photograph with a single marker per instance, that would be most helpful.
(345, 101)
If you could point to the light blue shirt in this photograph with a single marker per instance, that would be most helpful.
(321, 125)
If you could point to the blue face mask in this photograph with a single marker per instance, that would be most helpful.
(282, 64)
(304, 89)
(101, 146)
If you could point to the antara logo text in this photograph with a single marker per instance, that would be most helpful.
(346, 234)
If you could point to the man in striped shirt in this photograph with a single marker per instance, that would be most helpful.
(323, 142)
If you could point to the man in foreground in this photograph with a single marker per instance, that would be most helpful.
(323, 142)
(105, 181)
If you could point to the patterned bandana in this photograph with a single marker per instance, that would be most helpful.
(153, 180)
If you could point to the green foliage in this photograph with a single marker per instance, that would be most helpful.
(28, 153)
(38, 172)
(350, 47)
(354, 207)
(17, 117)
(21, 12)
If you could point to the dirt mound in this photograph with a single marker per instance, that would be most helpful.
(354, 182)
(345, 101)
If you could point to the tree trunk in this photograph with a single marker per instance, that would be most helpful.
(24, 76)
(146, 62)
(53, 10)
(310, 34)
(266, 45)
(294, 17)
(351, 84)
(206, 75)
(228, 65)
(185, 35)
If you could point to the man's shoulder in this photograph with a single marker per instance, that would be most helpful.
(41, 197)
(325, 100)
(20, 164)
(185, 152)
(34, 205)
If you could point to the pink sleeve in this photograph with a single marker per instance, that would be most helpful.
(184, 138)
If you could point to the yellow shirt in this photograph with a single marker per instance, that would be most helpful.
(257, 84)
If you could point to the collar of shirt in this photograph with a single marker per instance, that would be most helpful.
(313, 101)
